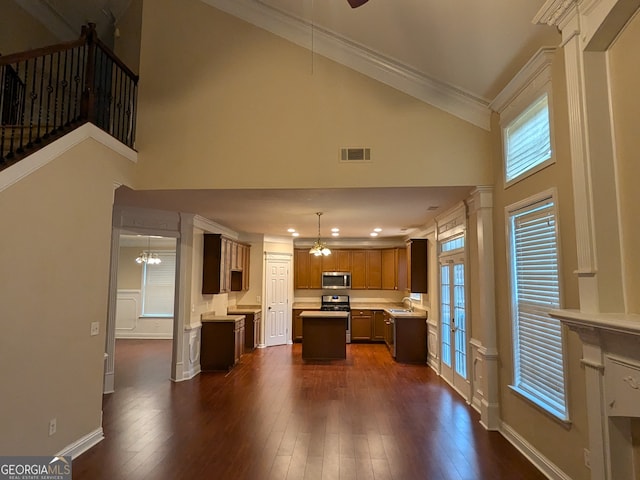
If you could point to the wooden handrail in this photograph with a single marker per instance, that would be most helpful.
(45, 92)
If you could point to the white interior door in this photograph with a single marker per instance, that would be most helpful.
(453, 330)
(277, 304)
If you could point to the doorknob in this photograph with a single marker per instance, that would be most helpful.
(268, 308)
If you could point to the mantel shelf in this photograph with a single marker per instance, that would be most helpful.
(628, 323)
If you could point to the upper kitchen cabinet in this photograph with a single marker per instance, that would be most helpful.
(394, 268)
(366, 269)
(338, 261)
(417, 265)
(307, 269)
(225, 265)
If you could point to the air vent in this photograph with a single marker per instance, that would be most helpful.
(355, 154)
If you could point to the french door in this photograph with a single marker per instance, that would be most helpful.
(453, 323)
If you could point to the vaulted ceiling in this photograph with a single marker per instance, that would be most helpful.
(456, 55)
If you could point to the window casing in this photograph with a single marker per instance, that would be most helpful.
(158, 286)
(539, 371)
(527, 141)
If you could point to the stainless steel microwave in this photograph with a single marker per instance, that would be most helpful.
(336, 280)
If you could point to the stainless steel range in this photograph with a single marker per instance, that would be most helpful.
(338, 303)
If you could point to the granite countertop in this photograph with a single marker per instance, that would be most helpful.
(318, 314)
(417, 313)
(212, 317)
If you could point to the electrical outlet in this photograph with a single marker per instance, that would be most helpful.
(258, 298)
(587, 458)
(53, 426)
(95, 328)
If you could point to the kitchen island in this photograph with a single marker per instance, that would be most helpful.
(324, 335)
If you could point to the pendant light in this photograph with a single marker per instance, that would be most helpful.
(148, 257)
(319, 248)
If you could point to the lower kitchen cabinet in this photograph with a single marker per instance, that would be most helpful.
(296, 334)
(377, 333)
(253, 318)
(410, 339)
(361, 325)
(221, 341)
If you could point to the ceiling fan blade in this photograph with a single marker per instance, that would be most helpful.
(357, 3)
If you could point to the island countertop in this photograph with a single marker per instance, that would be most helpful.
(212, 317)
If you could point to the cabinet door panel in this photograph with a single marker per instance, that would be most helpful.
(301, 268)
(343, 260)
(360, 326)
(359, 269)
(374, 269)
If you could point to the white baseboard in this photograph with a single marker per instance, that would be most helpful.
(83, 444)
(541, 462)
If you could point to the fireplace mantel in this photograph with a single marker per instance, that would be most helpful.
(611, 356)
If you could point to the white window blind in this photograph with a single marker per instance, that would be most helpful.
(538, 345)
(528, 139)
(159, 286)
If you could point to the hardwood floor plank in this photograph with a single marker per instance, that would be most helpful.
(275, 416)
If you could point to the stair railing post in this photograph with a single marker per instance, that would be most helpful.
(88, 105)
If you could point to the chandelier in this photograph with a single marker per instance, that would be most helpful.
(319, 248)
(148, 257)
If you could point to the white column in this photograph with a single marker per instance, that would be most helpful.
(481, 203)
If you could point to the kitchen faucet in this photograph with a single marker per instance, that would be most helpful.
(410, 303)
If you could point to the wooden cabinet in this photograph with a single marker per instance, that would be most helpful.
(377, 334)
(296, 334)
(225, 266)
(307, 269)
(394, 268)
(361, 324)
(417, 275)
(221, 343)
(379, 269)
(410, 340)
(253, 318)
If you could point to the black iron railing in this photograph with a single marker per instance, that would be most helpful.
(47, 92)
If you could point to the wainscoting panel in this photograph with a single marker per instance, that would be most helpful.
(129, 323)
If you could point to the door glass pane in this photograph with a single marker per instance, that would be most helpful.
(445, 312)
(460, 320)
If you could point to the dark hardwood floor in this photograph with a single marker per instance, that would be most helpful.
(276, 417)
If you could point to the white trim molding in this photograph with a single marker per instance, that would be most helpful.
(448, 98)
(47, 154)
(611, 355)
(83, 444)
(542, 463)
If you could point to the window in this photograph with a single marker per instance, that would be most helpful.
(158, 286)
(528, 140)
(538, 343)
(451, 245)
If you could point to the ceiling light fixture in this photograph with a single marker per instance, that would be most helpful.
(148, 257)
(319, 248)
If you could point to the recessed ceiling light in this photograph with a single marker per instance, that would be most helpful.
(335, 229)
(377, 229)
(374, 234)
(291, 230)
(335, 234)
(295, 234)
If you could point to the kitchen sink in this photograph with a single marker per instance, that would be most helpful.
(399, 310)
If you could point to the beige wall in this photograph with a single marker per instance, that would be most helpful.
(129, 272)
(624, 57)
(53, 284)
(22, 32)
(127, 45)
(562, 445)
(225, 104)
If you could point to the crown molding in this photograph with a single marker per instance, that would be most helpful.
(553, 12)
(535, 72)
(450, 99)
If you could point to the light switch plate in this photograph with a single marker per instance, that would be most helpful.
(95, 328)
